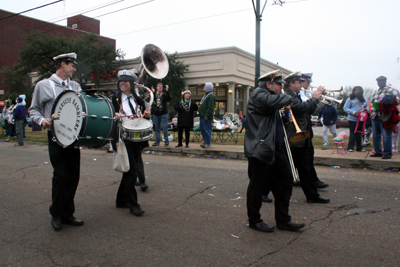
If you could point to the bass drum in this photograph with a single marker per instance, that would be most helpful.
(84, 120)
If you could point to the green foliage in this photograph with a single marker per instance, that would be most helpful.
(95, 59)
(174, 78)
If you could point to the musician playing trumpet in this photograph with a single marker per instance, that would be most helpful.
(318, 183)
(128, 105)
(300, 150)
(264, 147)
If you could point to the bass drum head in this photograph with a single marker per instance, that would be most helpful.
(69, 107)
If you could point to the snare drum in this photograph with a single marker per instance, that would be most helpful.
(84, 120)
(137, 131)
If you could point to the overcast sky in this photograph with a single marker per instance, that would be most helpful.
(343, 42)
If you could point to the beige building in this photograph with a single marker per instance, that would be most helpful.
(230, 69)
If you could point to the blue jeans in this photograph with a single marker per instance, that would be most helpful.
(355, 137)
(206, 130)
(378, 131)
(161, 121)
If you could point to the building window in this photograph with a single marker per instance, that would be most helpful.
(220, 91)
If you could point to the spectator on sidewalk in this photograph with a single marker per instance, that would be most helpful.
(243, 123)
(19, 117)
(185, 108)
(329, 114)
(206, 113)
(160, 111)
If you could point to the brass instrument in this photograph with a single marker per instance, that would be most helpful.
(326, 97)
(340, 90)
(154, 63)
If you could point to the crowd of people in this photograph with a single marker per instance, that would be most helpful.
(273, 154)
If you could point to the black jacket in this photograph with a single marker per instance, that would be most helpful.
(259, 141)
(185, 118)
(161, 107)
(301, 112)
(116, 101)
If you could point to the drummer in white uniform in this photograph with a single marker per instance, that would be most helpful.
(128, 105)
(65, 161)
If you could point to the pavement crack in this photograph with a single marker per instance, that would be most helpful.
(19, 170)
(192, 195)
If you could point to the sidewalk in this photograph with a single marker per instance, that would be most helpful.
(321, 157)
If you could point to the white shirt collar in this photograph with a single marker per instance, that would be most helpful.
(58, 79)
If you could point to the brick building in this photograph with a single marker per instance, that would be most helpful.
(15, 28)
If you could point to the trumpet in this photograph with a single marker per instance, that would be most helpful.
(340, 90)
(326, 97)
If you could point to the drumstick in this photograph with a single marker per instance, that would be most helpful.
(140, 118)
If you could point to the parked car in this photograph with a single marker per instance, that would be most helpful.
(342, 121)
(315, 121)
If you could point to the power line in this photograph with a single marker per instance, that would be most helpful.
(30, 10)
(83, 20)
(180, 22)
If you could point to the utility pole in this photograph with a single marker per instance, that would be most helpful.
(258, 12)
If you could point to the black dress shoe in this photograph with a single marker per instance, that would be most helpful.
(122, 205)
(296, 184)
(72, 221)
(376, 155)
(137, 211)
(321, 185)
(262, 227)
(143, 187)
(290, 226)
(187, 146)
(56, 223)
(178, 145)
(321, 200)
(265, 198)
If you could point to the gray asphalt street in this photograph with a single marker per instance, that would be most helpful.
(195, 216)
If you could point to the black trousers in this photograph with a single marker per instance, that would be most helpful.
(310, 164)
(187, 135)
(301, 160)
(126, 191)
(278, 177)
(66, 165)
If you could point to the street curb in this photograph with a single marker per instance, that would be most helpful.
(370, 164)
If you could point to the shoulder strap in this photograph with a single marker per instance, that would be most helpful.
(53, 86)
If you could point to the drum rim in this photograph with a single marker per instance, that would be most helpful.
(84, 110)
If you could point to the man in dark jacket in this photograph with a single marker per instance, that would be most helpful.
(265, 149)
(19, 117)
(159, 109)
(300, 150)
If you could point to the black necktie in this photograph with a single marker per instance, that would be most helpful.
(130, 105)
(63, 84)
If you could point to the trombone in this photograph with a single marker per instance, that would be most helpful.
(296, 137)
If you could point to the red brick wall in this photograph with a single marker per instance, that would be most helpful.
(13, 31)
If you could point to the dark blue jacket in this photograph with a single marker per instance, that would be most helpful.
(329, 113)
(19, 113)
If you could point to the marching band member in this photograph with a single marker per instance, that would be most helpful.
(265, 150)
(128, 105)
(301, 150)
(65, 161)
(318, 183)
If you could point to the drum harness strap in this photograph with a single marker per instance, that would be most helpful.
(130, 105)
